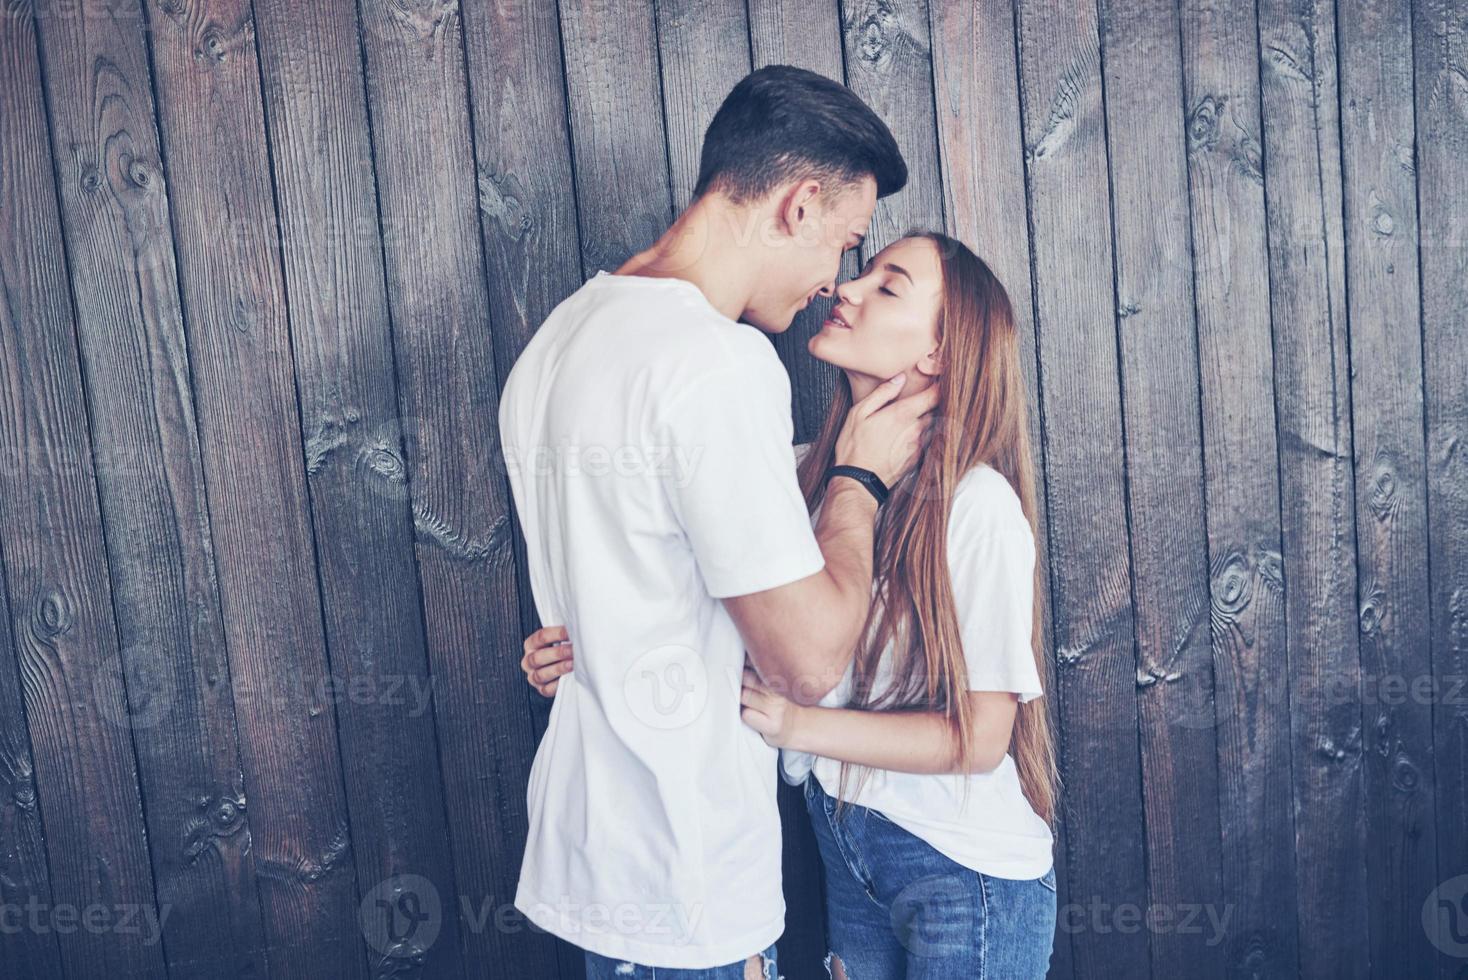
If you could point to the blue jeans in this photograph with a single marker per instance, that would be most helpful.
(898, 909)
(600, 967)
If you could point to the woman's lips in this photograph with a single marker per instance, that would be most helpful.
(836, 322)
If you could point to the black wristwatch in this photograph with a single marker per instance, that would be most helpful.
(866, 478)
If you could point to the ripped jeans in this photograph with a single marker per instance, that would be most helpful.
(899, 909)
(600, 967)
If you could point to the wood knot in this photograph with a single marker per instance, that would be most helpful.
(1270, 565)
(1405, 777)
(1382, 224)
(1371, 612)
(53, 615)
(500, 198)
(1327, 749)
(215, 818)
(211, 47)
(331, 858)
(217, 45)
(91, 179)
(1203, 123)
(1383, 489)
(874, 33)
(1233, 583)
(139, 175)
(1247, 159)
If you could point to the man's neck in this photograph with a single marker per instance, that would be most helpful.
(704, 247)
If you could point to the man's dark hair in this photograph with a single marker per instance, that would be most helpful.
(783, 123)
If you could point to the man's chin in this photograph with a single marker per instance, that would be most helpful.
(765, 324)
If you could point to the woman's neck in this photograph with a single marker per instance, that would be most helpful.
(864, 384)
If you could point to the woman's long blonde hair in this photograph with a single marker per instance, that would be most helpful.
(982, 418)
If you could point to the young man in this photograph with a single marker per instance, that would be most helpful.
(648, 437)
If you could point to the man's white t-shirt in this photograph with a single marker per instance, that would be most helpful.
(648, 444)
(991, 562)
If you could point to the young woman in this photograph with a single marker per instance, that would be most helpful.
(929, 772)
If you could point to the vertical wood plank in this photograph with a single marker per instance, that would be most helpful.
(25, 881)
(788, 32)
(224, 221)
(527, 199)
(448, 402)
(1383, 304)
(1065, 154)
(61, 633)
(1157, 343)
(341, 335)
(889, 64)
(115, 218)
(1440, 50)
(981, 153)
(617, 129)
(1230, 257)
(703, 48)
(1312, 404)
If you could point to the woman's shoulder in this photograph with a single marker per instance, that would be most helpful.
(984, 502)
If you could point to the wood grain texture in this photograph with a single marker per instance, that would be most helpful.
(264, 267)
(1440, 51)
(61, 639)
(1250, 707)
(889, 64)
(1317, 500)
(1393, 596)
(1065, 155)
(115, 214)
(428, 199)
(703, 50)
(1157, 349)
(624, 197)
(213, 135)
(321, 156)
(24, 877)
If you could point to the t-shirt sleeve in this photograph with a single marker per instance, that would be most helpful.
(735, 493)
(991, 559)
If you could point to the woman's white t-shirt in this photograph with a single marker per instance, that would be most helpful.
(991, 560)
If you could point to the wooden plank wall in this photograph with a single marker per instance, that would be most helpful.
(266, 264)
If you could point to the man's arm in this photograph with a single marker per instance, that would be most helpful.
(801, 636)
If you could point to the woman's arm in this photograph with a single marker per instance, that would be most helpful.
(902, 741)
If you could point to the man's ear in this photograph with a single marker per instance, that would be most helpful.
(796, 205)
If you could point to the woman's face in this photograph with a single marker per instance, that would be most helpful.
(885, 322)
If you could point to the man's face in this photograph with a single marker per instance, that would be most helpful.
(810, 233)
